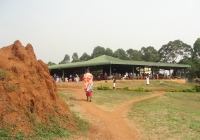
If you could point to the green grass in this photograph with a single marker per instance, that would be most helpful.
(174, 116)
(111, 99)
(6, 134)
(52, 130)
(154, 85)
(49, 131)
(67, 96)
(81, 123)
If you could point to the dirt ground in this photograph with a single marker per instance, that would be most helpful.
(107, 125)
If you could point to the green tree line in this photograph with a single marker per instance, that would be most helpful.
(173, 52)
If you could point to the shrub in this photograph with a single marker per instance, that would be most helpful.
(139, 89)
(103, 87)
(197, 88)
(126, 88)
(181, 90)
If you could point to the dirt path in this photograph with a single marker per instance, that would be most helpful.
(108, 125)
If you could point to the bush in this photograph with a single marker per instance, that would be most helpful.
(197, 88)
(103, 87)
(181, 90)
(139, 89)
(126, 88)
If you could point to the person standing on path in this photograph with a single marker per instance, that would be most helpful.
(114, 81)
(88, 84)
(147, 79)
(105, 76)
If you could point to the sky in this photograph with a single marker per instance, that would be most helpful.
(58, 27)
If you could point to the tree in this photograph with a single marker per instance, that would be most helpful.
(194, 61)
(98, 51)
(85, 57)
(196, 48)
(75, 57)
(174, 51)
(194, 71)
(66, 58)
(62, 62)
(121, 54)
(51, 63)
(109, 52)
(149, 54)
(134, 54)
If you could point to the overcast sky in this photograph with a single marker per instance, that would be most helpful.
(59, 27)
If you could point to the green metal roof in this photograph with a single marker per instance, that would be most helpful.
(107, 60)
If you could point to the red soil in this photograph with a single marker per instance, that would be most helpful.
(27, 89)
(105, 124)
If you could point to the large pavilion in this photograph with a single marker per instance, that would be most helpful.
(114, 66)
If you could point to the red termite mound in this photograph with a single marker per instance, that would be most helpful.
(28, 94)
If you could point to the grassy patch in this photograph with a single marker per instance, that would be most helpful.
(81, 123)
(6, 134)
(101, 87)
(174, 116)
(67, 96)
(52, 130)
(55, 129)
(154, 85)
(110, 99)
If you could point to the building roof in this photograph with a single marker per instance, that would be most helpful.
(107, 60)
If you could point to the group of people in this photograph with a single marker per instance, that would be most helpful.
(88, 83)
(71, 78)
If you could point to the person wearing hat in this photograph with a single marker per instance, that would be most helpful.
(88, 84)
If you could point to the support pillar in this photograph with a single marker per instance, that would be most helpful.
(152, 73)
(110, 70)
(63, 75)
(139, 72)
(184, 73)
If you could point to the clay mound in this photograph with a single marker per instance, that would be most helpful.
(28, 94)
